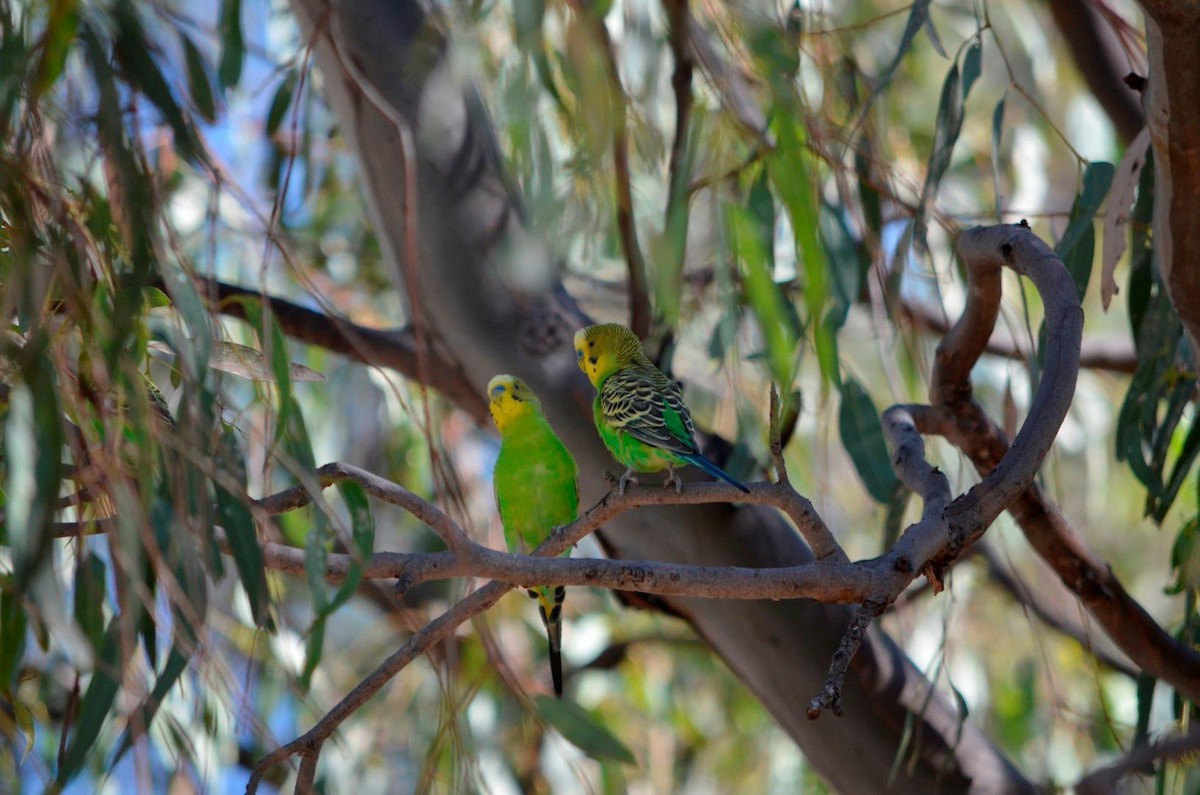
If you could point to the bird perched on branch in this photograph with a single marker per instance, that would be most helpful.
(639, 411)
(537, 490)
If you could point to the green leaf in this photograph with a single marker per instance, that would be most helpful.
(793, 183)
(947, 127)
(724, 332)
(240, 531)
(1179, 471)
(362, 531)
(176, 664)
(763, 294)
(582, 730)
(1142, 272)
(761, 205)
(91, 587)
(1185, 558)
(198, 84)
(132, 49)
(281, 102)
(972, 65)
(58, 36)
(24, 719)
(1077, 246)
(916, 20)
(849, 262)
(33, 441)
(997, 137)
(233, 48)
(316, 558)
(246, 362)
(527, 22)
(1145, 699)
(862, 435)
(96, 705)
(13, 620)
(155, 297)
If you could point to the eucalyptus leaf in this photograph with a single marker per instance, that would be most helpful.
(862, 435)
(582, 730)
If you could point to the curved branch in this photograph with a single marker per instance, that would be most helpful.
(984, 250)
(964, 423)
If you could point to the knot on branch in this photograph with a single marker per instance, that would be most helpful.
(636, 574)
(542, 331)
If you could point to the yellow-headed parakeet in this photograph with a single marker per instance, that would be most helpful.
(537, 490)
(639, 412)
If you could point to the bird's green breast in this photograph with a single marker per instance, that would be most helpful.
(629, 451)
(535, 482)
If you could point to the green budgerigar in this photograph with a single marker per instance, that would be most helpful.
(639, 412)
(537, 490)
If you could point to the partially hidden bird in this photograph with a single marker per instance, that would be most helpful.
(537, 490)
(639, 411)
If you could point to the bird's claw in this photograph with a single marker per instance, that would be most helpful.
(625, 480)
(673, 478)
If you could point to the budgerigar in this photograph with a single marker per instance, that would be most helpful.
(639, 412)
(537, 490)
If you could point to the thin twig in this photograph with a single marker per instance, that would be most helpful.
(675, 222)
(455, 537)
(419, 642)
(830, 696)
(1105, 780)
(639, 290)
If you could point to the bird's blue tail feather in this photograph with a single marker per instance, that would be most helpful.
(713, 469)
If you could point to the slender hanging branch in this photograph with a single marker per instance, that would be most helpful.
(639, 290)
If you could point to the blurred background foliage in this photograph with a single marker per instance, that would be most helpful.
(146, 145)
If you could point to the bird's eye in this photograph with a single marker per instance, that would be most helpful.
(497, 391)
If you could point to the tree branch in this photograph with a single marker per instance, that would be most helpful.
(965, 424)
(1082, 571)
(1055, 611)
(1105, 780)
(639, 290)
(309, 743)
(1114, 353)
(1098, 55)
(395, 349)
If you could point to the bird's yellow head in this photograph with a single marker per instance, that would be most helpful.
(508, 398)
(604, 349)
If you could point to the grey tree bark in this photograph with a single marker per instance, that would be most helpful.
(489, 293)
(1170, 102)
